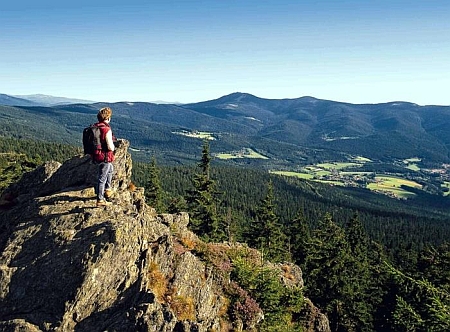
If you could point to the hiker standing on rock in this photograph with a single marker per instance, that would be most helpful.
(105, 157)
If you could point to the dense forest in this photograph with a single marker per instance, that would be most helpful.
(18, 156)
(370, 262)
(395, 223)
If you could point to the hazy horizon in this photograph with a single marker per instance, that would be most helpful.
(190, 51)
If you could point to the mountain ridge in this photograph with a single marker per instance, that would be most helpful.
(15, 101)
(47, 100)
(281, 128)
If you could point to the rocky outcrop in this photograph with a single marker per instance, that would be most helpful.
(66, 265)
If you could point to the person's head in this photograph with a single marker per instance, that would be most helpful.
(104, 114)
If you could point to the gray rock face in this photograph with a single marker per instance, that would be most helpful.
(66, 265)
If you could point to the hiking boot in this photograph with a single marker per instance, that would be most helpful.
(108, 193)
(102, 202)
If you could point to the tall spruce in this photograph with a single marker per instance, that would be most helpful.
(328, 282)
(365, 291)
(153, 191)
(420, 304)
(299, 237)
(434, 265)
(176, 204)
(202, 202)
(266, 230)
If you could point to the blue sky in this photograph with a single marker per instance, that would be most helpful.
(188, 51)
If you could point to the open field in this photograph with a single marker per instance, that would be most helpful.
(196, 134)
(446, 184)
(393, 185)
(345, 173)
(244, 153)
(411, 164)
(331, 173)
(361, 159)
(412, 160)
(317, 171)
(413, 167)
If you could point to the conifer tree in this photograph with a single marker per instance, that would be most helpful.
(176, 204)
(202, 202)
(266, 230)
(299, 236)
(434, 265)
(420, 305)
(153, 191)
(361, 277)
(329, 284)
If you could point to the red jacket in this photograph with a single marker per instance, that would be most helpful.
(104, 155)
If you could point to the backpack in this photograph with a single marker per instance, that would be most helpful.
(91, 139)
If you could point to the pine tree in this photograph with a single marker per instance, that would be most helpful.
(153, 191)
(299, 236)
(361, 277)
(420, 305)
(329, 281)
(176, 204)
(202, 202)
(434, 265)
(266, 230)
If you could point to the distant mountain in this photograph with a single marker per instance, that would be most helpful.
(46, 100)
(396, 129)
(166, 102)
(15, 101)
(287, 131)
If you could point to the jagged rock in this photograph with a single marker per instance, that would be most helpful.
(18, 325)
(79, 171)
(66, 265)
(314, 319)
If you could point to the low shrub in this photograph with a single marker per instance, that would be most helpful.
(183, 307)
(157, 282)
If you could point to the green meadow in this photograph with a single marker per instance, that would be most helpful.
(411, 163)
(246, 153)
(361, 159)
(446, 184)
(202, 135)
(412, 160)
(413, 167)
(196, 134)
(393, 185)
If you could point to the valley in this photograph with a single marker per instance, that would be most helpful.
(406, 178)
(398, 149)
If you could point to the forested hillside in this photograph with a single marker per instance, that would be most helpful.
(373, 264)
(287, 131)
(390, 221)
(18, 156)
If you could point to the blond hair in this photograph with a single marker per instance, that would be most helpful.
(104, 114)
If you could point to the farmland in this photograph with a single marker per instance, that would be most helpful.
(393, 186)
(243, 153)
(196, 134)
(401, 185)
